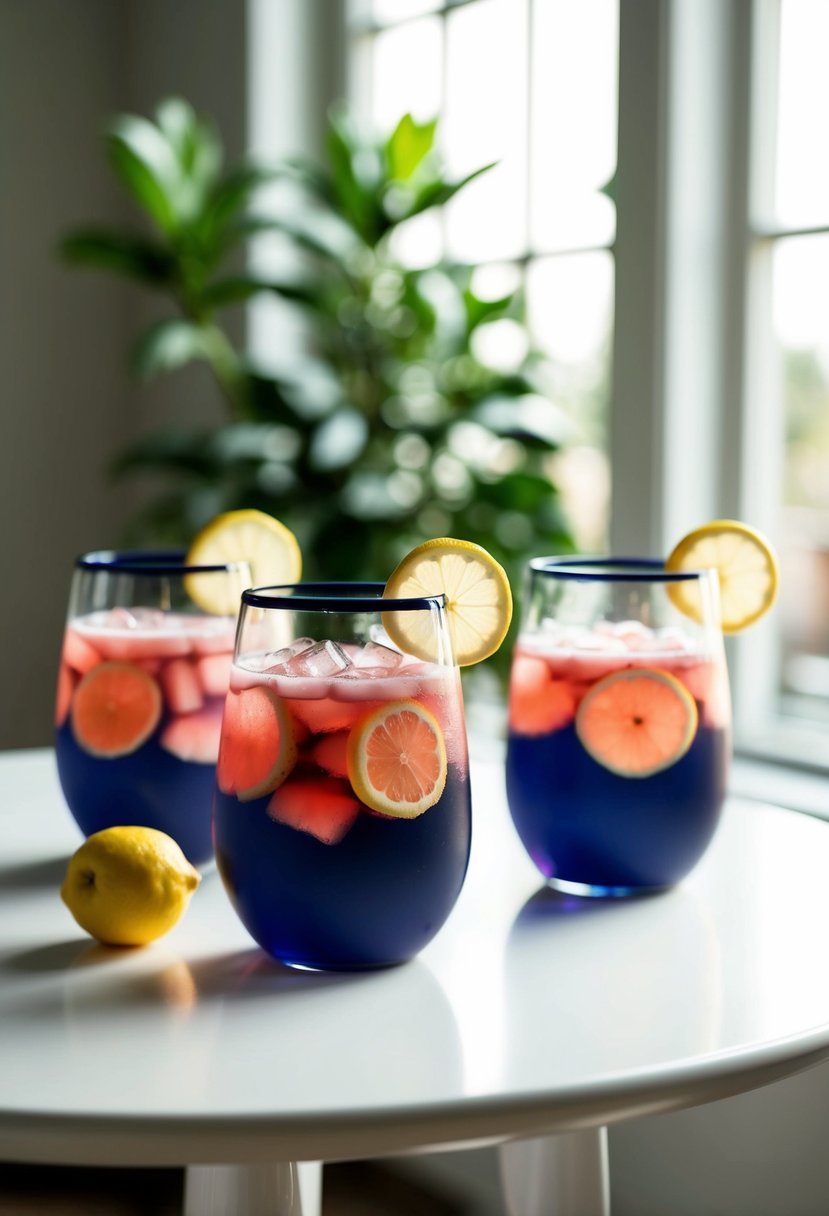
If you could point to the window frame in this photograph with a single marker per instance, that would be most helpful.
(695, 384)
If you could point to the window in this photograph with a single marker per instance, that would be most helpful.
(531, 85)
(790, 239)
(699, 304)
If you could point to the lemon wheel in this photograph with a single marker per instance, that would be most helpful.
(270, 549)
(478, 599)
(397, 759)
(637, 722)
(745, 563)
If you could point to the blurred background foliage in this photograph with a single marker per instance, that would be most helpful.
(389, 425)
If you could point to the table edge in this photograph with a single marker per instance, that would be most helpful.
(157, 1140)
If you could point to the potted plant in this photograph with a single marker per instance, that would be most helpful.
(388, 426)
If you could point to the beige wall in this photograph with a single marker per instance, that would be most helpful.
(66, 404)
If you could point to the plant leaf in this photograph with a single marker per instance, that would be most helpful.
(436, 193)
(238, 288)
(478, 310)
(407, 146)
(132, 256)
(356, 179)
(232, 193)
(169, 344)
(529, 418)
(177, 120)
(144, 161)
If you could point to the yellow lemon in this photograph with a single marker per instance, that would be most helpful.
(126, 886)
(478, 599)
(270, 549)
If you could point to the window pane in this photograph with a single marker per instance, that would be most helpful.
(387, 11)
(801, 305)
(574, 108)
(406, 73)
(802, 169)
(570, 307)
(485, 120)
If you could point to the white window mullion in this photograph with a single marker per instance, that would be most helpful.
(635, 424)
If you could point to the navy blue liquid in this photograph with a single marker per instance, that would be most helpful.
(581, 823)
(374, 898)
(149, 787)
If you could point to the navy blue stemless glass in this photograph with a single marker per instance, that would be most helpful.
(619, 723)
(143, 674)
(342, 809)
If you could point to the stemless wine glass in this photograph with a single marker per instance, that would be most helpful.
(619, 723)
(141, 686)
(342, 808)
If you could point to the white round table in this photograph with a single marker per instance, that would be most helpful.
(533, 1020)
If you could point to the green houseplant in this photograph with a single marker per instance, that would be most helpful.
(387, 426)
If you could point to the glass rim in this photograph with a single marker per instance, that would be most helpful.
(337, 597)
(148, 562)
(613, 570)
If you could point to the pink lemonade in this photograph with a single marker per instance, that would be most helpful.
(619, 742)
(318, 876)
(138, 719)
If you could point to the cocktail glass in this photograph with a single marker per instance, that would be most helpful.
(619, 723)
(326, 858)
(141, 687)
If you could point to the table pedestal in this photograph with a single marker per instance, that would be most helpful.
(563, 1175)
(283, 1189)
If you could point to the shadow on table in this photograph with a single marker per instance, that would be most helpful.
(48, 872)
(57, 956)
(548, 904)
(100, 979)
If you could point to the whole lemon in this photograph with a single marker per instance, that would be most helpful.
(128, 885)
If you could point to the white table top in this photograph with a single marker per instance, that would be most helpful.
(528, 1013)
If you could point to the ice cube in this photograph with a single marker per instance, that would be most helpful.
(671, 638)
(122, 618)
(274, 661)
(374, 656)
(378, 634)
(278, 660)
(634, 635)
(598, 643)
(607, 628)
(323, 659)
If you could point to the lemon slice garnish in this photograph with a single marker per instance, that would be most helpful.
(478, 600)
(746, 565)
(270, 549)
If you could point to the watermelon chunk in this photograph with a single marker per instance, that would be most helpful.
(194, 737)
(214, 673)
(258, 749)
(79, 654)
(182, 687)
(66, 686)
(330, 752)
(323, 807)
